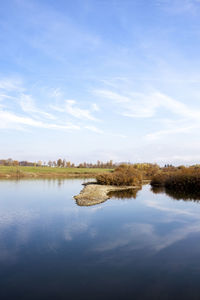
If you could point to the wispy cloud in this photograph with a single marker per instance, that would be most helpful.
(95, 107)
(71, 107)
(28, 105)
(119, 98)
(148, 106)
(14, 90)
(23, 111)
(139, 105)
(94, 129)
(10, 85)
(9, 120)
(77, 112)
(161, 133)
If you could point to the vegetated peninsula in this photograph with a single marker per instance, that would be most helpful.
(124, 177)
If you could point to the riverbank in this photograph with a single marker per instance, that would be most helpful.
(49, 172)
(93, 193)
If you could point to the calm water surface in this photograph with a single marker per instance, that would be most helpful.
(146, 247)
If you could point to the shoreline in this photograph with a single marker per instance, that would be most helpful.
(93, 193)
(49, 175)
(18, 172)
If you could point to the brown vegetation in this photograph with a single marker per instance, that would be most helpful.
(159, 179)
(182, 178)
(184, 181)
(125, 175)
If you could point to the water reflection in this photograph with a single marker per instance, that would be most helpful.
(158, 189)
(50, 248)
(129, 193)
(178, 194)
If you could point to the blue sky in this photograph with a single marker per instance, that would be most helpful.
(100, 79)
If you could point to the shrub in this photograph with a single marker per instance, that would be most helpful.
(160, 179)
(125, 175)
(148, 169)
(181, 181)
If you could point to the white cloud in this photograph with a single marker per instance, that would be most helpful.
(10, 85)
(28, 105)
(112, 96)
(139, 105)
(161, 133)
(33, 116)
(9, 120)
(94, 129)
(72, 109)
(56, 93)
(95, 107)
(56, 108)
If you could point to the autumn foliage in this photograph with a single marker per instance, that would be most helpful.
(181, 179)
(124, 175)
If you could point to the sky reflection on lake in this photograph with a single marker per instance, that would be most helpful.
(146, 247)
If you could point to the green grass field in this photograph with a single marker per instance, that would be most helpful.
(11, 171)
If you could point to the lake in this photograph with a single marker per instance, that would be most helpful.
(144, 246)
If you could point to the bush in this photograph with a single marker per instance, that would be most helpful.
(187, 182)
(125, 175)
(181, 179)
(160, 179)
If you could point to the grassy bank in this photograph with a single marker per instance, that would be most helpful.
(42, 172)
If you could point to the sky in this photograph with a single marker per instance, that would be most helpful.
(90, 80)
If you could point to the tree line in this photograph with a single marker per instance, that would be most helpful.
(61, 163)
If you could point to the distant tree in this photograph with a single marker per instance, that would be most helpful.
(9, 162)
(64, 163)
(59, 162)
(50, 163)
(68, 164)
(110, 163)
(39, 163)
(15, 163)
